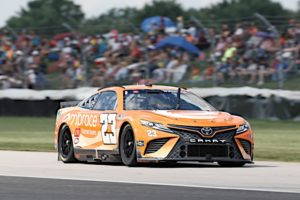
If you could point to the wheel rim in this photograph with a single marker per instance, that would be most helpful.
(128, 143)
(66, 144)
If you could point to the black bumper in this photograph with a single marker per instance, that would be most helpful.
(184, 150)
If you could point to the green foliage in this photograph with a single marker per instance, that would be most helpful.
(244, 8)
(168, 8)
(122, 19)
(227, 11)
(129, 19)
(47, 13)
(52, 13)
(234, 11)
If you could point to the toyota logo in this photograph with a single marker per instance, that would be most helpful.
(206, 131)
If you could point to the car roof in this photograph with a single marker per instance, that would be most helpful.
(140, 87)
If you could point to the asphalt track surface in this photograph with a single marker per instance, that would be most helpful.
(32, 175)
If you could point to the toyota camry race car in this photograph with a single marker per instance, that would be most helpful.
(146, 123)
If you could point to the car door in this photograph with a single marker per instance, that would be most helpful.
(86, 124)
(106, 108)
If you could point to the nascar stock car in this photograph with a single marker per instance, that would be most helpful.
(145, 123)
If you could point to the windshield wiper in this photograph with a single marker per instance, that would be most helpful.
(178, 99)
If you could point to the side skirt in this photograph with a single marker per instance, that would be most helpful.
(94, 155)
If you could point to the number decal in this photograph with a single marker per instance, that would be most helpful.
(108, 129)
(151, 133)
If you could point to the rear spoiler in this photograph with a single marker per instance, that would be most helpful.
(68, 104)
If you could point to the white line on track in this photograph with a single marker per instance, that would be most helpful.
(262, 176)
(163, 184)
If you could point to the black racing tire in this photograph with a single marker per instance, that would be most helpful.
(128, 147)
(231, 164)
(65, 145)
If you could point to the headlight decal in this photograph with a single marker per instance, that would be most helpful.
(155, 125)
(243, 128)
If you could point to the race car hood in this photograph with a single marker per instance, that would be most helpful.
(206, 118)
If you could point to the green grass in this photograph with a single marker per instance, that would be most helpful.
(274, 140)
(29, 134)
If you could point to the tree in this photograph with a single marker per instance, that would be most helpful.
(47, 13)
(129, 19)
(169, 8)
(121, 19)
(233, 11)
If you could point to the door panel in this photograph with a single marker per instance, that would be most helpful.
(101, 133)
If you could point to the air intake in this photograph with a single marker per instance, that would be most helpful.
(246, 145)
(155, 145)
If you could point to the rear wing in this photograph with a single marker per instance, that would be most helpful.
(69, 104)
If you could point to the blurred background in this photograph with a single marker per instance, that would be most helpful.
(242, 56)
(52, 44)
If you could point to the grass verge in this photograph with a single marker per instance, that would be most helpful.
(274, 140)
(26, 133)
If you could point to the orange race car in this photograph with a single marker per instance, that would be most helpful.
(148, 123)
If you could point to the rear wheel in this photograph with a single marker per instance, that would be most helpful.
(231, 164)
(65, 146)
(127, 146)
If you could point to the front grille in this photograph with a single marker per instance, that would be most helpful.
(185, 137)
(197, 129)
(246, 145)
(155, 145)
(207, 151)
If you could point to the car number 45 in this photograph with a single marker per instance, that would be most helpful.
(108, 129)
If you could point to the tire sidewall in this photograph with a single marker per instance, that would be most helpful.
(131, 161)
(70, 156)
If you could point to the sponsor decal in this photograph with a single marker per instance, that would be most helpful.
(151, 133)
(76, 140)
(140, 143)
(89, 132)
(77, 132)
(215, 141)
(77, 135)
(66, 117)
(79, 119)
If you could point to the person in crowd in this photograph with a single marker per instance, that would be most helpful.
(244, 52)
(252, 71)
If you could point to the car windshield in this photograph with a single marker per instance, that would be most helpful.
(164, 100)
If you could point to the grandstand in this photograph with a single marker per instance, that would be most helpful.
(233, 52)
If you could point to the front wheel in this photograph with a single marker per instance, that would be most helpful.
(65, 146)
(127, 146)
(231, 164)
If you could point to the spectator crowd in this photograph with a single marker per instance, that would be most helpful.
(246, 54)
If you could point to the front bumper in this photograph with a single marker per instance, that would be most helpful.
(184, 150)
(216, 159)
